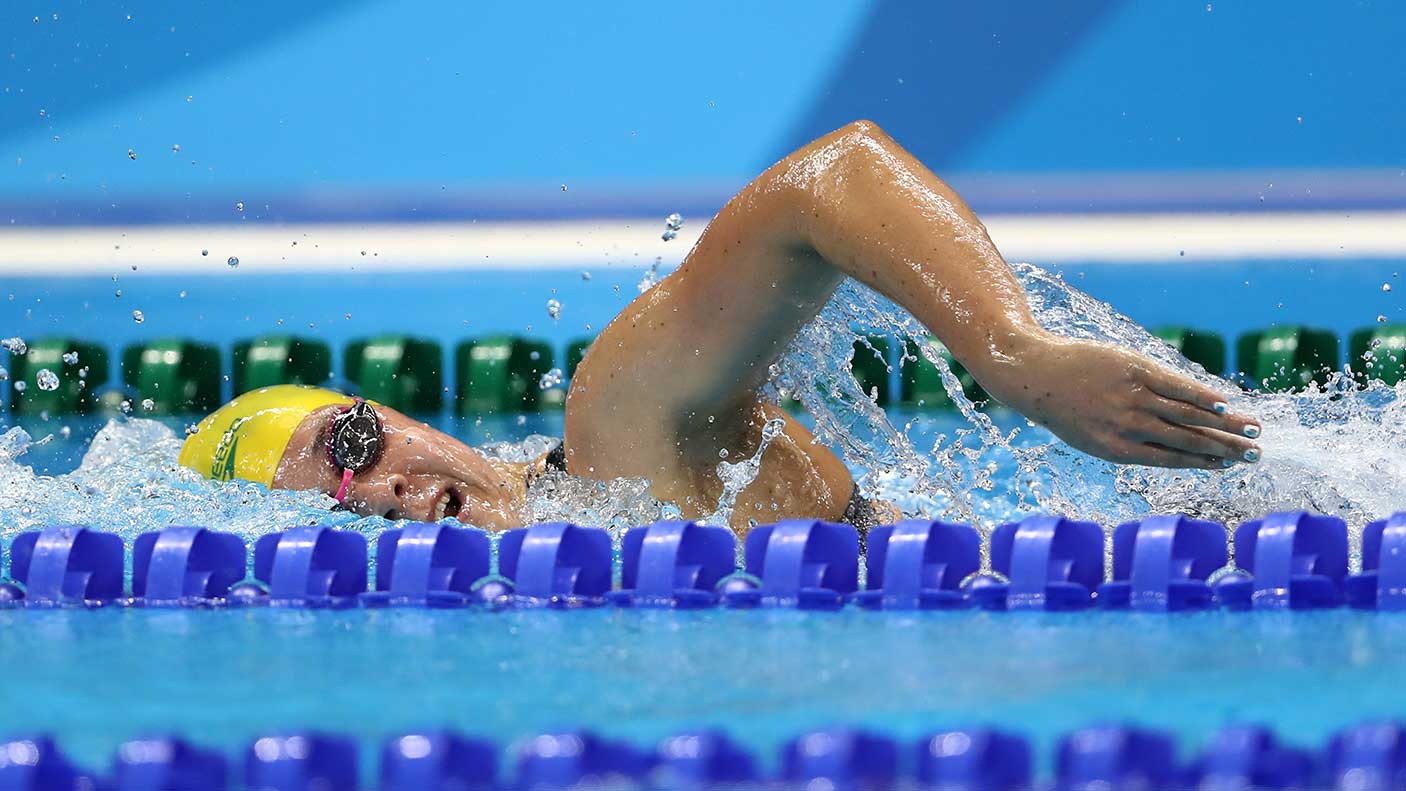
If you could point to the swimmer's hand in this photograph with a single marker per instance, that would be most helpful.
(1120, 406)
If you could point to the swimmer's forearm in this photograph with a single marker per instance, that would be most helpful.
(874, 212)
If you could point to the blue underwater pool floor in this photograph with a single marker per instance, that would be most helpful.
(96, 678)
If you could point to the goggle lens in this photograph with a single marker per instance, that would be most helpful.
(356, 437)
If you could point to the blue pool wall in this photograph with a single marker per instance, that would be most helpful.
(349, 108)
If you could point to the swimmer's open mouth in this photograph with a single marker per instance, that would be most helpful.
(448, 504)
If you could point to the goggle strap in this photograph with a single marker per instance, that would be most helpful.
(346, 484)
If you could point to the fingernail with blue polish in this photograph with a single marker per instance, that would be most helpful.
(1227, 463)
(1221, 407)
(1252, 455)
(1253, 432)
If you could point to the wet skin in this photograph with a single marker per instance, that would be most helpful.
(421, 474)
(674, 379)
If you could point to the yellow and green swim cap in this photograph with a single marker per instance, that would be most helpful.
(246, 438)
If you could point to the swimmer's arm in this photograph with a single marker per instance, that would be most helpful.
(855, 203)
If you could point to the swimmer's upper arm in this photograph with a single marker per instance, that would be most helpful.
(685, 360)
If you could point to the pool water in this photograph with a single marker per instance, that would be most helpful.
(220, 677)
(96, 678)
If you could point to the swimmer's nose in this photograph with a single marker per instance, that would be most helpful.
(384, 496)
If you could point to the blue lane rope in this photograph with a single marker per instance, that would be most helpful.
(1107, 757)
(1289, 560)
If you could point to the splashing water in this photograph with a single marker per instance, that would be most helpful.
(129, 483)
(672, 224)
(736, 476)
(552, 378)
(1334, 450)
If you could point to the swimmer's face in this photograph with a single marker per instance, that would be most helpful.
(421, 474)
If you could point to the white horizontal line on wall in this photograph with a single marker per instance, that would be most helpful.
(1116, 238)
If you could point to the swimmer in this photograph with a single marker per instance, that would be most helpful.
(675, 378)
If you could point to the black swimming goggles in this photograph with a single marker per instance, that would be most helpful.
(355, 442)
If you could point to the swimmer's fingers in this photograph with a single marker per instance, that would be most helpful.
(1155, 455)
(1182, 388)
(1198, 441)
(1184, 414)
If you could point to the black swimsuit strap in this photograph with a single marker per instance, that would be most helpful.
(556, 458)
(862, 512)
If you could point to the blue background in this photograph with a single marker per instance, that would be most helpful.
(352, 111)
(344, 109)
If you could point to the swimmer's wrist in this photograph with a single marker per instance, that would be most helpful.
(1007, 357)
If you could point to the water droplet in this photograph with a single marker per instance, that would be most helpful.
(70, 358)
(1208, 8)
(15, 346)
(773, 429)
(674, 221)
(138, 316)
(668, 235)
(131, 154)
(550, 379)
(175, 148)
(1381, 319)
(204, 252)
(554, 309)
(182, 295)
(1386, 287)
(233, 261)
(722, 453)
(83, 372)
(117, 293)
(148, 404)
(651, 277)
(190, 99)
(47, 380)
(563, 188)
(585, 275)
(20, 386)
(4, 374)
(192, 429)
(239, 205)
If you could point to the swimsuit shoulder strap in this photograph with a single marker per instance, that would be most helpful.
(862, 513)
(556, 458)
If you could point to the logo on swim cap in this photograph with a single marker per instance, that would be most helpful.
(222, 465)
(246, 438)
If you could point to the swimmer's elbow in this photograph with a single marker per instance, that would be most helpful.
(864, 128)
